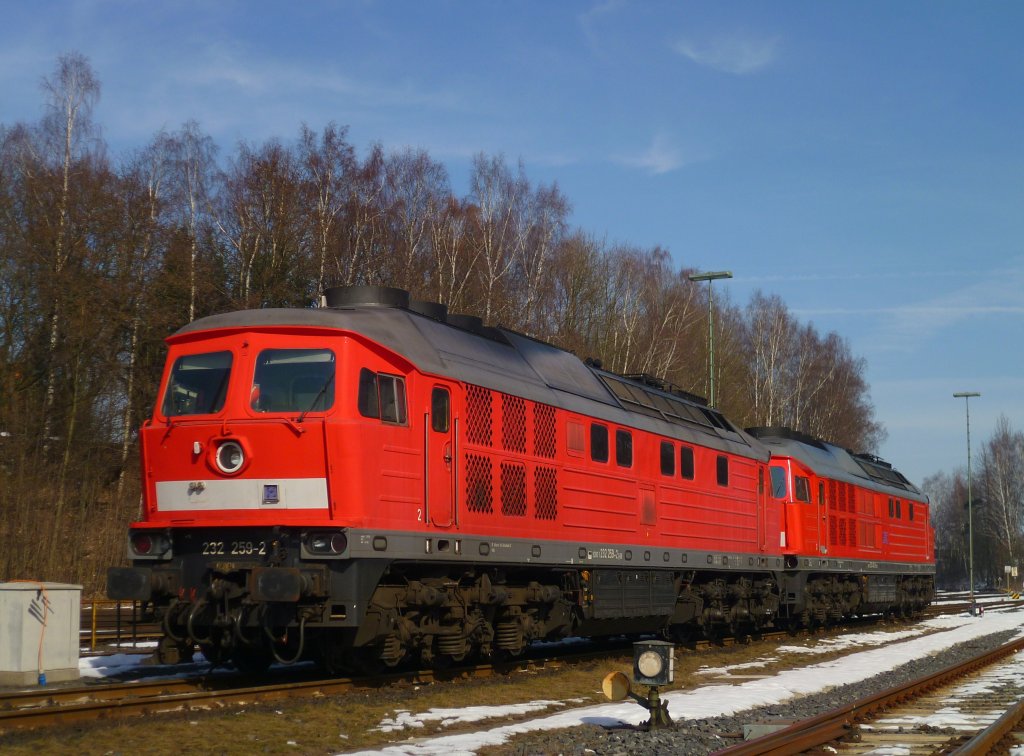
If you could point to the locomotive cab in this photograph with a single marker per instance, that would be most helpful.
(236, 465)
(803, 503)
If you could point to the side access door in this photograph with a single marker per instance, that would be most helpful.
(439, 458)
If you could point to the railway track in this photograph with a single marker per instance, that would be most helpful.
(23, 710)
(934, 714)
(27, 710)
(51, 706)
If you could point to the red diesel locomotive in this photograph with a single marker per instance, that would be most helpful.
(376, 480)
(844, 515)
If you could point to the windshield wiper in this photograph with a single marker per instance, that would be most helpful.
(320, 393)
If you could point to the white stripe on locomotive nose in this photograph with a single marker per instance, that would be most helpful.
(240, 494)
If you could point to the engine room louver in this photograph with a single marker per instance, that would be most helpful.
(514, 485)
(479, 422)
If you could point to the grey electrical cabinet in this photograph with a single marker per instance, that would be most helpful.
(39, 629)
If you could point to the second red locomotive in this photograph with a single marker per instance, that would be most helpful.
(376, 479)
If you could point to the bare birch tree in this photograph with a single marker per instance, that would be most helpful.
(72, 91)
(191, 186)
(500, 198)
(327, 165)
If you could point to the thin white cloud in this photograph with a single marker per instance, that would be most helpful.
(737, 53)
(997, 292)
(267, 77)
(874, 275)
(661, 156)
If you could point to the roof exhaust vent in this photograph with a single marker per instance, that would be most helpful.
(345, 297)
(433, 310)
(470, 323)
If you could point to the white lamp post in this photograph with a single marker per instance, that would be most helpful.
(966, 396)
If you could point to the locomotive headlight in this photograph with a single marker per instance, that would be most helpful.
(327, 543)
(230, 457)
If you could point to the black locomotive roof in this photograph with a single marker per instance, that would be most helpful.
(831, 461)
(509, 362)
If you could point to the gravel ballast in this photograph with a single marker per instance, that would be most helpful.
(690, 737)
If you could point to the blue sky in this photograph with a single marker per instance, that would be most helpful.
(863, 160)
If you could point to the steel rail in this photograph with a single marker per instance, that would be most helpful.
(54, 696)
(36, 709)
(985, 741)
(836, 724)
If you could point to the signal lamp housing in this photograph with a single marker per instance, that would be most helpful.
(149, 544)
(653, 663)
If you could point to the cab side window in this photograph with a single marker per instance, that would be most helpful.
(802, 489)
(382, 396)
(369, 405)
(392, 399)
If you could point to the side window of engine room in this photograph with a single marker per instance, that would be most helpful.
(599, 442)
(293, 380)
(687, 470)
(382, 396)
(623, 448)
(722, 470)
(802, 489)
(198, 384)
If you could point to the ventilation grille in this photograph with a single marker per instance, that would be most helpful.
(544, 431)
(479, 421)
(513, 423)
(513, 489)
(545, 484)
(478, 484)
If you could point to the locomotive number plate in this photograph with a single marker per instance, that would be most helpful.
(235, 548)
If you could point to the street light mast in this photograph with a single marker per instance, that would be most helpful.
(709, 277)
(966, 396)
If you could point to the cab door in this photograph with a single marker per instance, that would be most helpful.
(822, 519)
(811, 506)
(439, 458)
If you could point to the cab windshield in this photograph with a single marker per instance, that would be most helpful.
(293, 380)
(198, 384)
